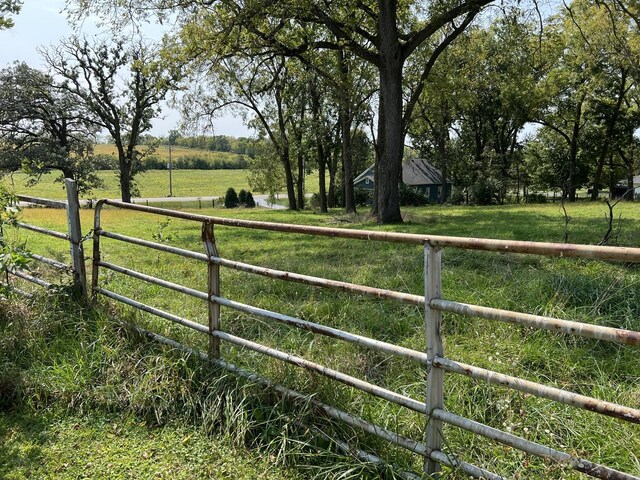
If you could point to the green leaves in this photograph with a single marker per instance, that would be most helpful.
(8, 8)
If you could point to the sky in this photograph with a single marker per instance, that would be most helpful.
(42, 23)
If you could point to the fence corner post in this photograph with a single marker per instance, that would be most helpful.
(435, 376)
(75, 238)
(213, 283)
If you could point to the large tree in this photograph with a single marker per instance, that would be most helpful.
(121, 85)
(385, 33)
(267, 91)
(43, 128)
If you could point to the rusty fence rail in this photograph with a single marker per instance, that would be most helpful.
(76, 269)
(432, 358)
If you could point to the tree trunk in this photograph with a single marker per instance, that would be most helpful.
(333, 170)
(125, 180)
(322, 182)
(349, 200)
(612, 178)
(345, 126)
(288, 173)
(573, 153)
(300, 180)
(442, 153)
(611, 124)
(284, 151)
(390, 115)
(378, 147)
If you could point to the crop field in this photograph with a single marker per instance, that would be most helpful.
(603, 293)
(162, 151)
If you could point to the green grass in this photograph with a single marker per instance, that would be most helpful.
(595, 292)
(48, 446)
(152, 183)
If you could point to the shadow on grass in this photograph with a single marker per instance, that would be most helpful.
(23, 439)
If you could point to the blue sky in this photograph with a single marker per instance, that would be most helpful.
(43, 23)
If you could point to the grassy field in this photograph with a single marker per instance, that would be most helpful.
(152, 183)
(125, 375)
(162, 151)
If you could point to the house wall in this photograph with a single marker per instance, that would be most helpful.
(433, 191)
(364, 184)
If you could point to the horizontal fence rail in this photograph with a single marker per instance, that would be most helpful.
(593, 252)
(433, 358)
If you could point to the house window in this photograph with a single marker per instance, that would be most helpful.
(366, 181)
(439, 192)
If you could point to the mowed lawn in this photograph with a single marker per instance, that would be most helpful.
(604, 293)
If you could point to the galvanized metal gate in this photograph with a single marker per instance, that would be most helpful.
(73, 236)
(433, 358)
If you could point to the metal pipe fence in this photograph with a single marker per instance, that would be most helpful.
(433, 358)
(73, 236)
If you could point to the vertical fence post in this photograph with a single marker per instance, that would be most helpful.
(96, 249)
(435, 376)
(75, 238)
(213, 283)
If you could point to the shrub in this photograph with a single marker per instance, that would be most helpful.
(361, 197)
(483, 191)
(246, 199)
(536, 198)
(410, 196)
(154, 162)
(105, 162)
(231, 198)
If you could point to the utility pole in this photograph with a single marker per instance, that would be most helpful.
(170, 168)
(172, 138)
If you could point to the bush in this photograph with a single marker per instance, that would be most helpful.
(231, 198)
(246, 199)
(411, 196)
(483, 191)
(536, 198)
(105, 162)
(361, 197)
(457, 196)
(154, 162)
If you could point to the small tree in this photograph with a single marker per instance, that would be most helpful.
(242, 197)
(246, 199)
(43, 129)
(231, 199)
(122, 86)
(250, 203)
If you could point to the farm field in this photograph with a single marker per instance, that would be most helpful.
(152, 183)
(162, 151)
(596, 292)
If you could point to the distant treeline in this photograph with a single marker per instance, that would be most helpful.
(214, 152)
(213, 143)
(182, 162)
(196, 162)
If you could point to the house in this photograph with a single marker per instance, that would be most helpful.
(417, 173)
